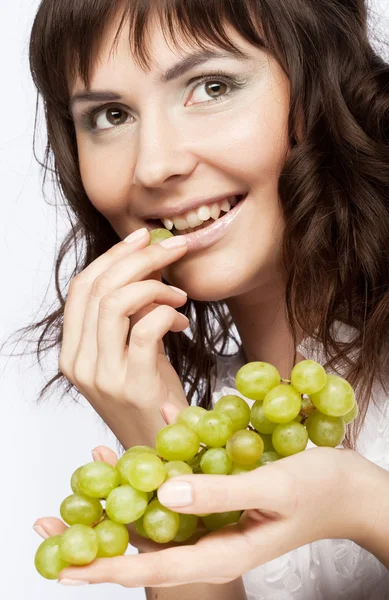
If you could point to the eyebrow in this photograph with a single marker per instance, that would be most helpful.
(174, 72)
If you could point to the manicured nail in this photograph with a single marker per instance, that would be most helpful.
(40, 531)
(175, 494)
(174, 242)
(176, 289)
(73, 582)
(96, 455)
(136, 235)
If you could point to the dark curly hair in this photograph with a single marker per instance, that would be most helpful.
(333, 189)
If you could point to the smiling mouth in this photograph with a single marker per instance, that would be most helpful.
(159, 224)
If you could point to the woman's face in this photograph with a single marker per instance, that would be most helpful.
(160, 144)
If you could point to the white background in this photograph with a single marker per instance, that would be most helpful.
(41, 445)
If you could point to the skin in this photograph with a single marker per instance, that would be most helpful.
(174, 147)
(171, 152)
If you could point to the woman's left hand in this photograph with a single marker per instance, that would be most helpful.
(317, 494)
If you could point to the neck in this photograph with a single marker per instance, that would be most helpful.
(263, 329)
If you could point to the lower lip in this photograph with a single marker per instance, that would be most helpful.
(203, 238)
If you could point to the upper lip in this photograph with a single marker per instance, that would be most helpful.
(178, 209)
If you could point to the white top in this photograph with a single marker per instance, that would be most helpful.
(330, 569)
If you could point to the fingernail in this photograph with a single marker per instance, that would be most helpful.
(176, 289)
(174, 242)
(40, 531)
(96, 455)
(73, 582)
(164, 415)
(136, 235)
(175, 494)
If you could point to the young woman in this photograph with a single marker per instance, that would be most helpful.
(259, 131)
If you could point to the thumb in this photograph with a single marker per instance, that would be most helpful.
(170, 412)
(267, 487)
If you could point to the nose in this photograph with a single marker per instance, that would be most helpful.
(162, 153)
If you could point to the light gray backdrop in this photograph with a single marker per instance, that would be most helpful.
(40, 446)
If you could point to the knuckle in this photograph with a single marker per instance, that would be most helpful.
(100, 285)
(142, 335)
(109, 302)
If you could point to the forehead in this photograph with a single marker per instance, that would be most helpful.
(150, 47)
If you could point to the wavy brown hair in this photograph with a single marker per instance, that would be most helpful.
(333, 189)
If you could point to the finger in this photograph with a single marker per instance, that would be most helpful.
(170, 412)
(113, 323)
(105, 455)
(49, 526)
(78, 296)
(130, 269)
(210, 560)
(143, 355)
(269, 488)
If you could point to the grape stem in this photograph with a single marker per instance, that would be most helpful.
(286, 380)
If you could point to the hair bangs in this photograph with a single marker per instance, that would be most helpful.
(75, 32)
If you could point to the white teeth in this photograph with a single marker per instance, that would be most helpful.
(215, 211)
(193, 219)
(204, 213)
(180, 223)
(225, 206)
(168, 223)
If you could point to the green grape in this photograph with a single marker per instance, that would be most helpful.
(177, 442)
(215, 428)
(298, 419)
(215, 521)
(125, 504)
(177, 467)
(98, 479)
(160, 523)
(324, 430)
(112, 538)
(351, 415)
(158, 235)
(308, 377)
(244, 447)
(74, 482)
(128, 457)
(282, 404)
(238, 469)
(259, 421)
(191, 416)
(255, 379)
(337, 397)
(268, 457)
(140, 450)
(267, 441)
(237, 409)
(289, 438)
(194, 462)
(187, 527)
(216, 461)
(140, 530)
(78, 545)
(146, 472)
(81, 509)
(48, 561)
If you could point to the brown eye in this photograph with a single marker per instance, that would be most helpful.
(111, 117)
(213, 88)
(116, 116)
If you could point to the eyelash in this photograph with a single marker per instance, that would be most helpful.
(89, 115)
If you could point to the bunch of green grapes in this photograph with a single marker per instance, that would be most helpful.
(229, 440)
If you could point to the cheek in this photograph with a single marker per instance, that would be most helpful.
(106, 174)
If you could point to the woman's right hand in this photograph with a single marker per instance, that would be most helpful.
(116, 314)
